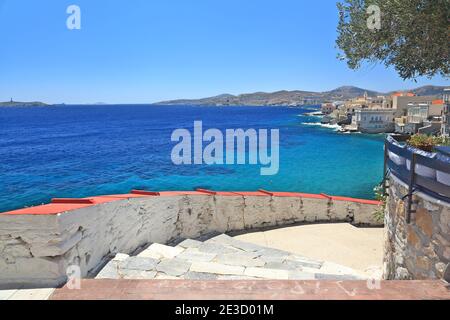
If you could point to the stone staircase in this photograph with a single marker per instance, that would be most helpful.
(222, 258)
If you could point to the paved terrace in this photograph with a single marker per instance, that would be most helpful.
(358, 248)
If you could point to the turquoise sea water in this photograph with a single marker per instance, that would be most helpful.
(79, 151)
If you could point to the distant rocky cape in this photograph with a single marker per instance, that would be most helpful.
(22, 104)
(293, 98)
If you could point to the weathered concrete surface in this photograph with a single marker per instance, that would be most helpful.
(37, 249)
(28, 245)
(358, 248)
(421, 249)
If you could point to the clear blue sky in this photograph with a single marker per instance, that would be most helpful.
(143, 51)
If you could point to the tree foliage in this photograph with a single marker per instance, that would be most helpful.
(413, 36)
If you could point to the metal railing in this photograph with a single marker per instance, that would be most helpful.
(395, 144)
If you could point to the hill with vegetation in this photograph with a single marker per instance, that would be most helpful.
(292, 98)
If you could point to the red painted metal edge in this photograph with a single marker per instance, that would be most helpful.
(266, 192)
(181, 193)
(143, 192)
(298, 195)
(250, 193)
(327, 196)
(48, 209)
(72, 200)
(206, 191)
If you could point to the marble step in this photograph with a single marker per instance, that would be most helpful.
(221, 257)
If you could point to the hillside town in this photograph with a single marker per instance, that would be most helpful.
(400, 112)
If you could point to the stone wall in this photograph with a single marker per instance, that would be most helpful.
(421, 249)
(36, 249)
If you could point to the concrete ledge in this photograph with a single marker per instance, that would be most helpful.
(39, 243)
(60, 205)
(253, 290)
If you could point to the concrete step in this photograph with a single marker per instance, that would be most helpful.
(219, 258)
(160, 251)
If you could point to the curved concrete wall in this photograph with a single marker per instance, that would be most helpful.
(38, 244)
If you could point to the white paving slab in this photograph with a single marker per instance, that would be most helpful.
(162, 250)
(194, 255)
(222, 239)
(173, 267)
(189, 243)
(150, 254)
(138, 263)
(138, 274)
(267, 273)
(217, 268)
(305, 262)
(120, 257)
(236, 259)
(216, 248)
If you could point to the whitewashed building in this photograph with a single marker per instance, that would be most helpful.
(401, 102)
(328, 107)
(374, 120)
(421, 118)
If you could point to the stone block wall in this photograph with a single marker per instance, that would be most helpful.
(420, 249)
(37, 248)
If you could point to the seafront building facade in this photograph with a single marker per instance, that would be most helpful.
(401, 112)
(373, 120)
(422, 118)
(402, 103)
(328, 107)
(371, 114)
(445, 125)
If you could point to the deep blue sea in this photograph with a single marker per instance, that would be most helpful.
(79, 151)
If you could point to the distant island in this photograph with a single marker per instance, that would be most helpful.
(23, 104)
(294, 98)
